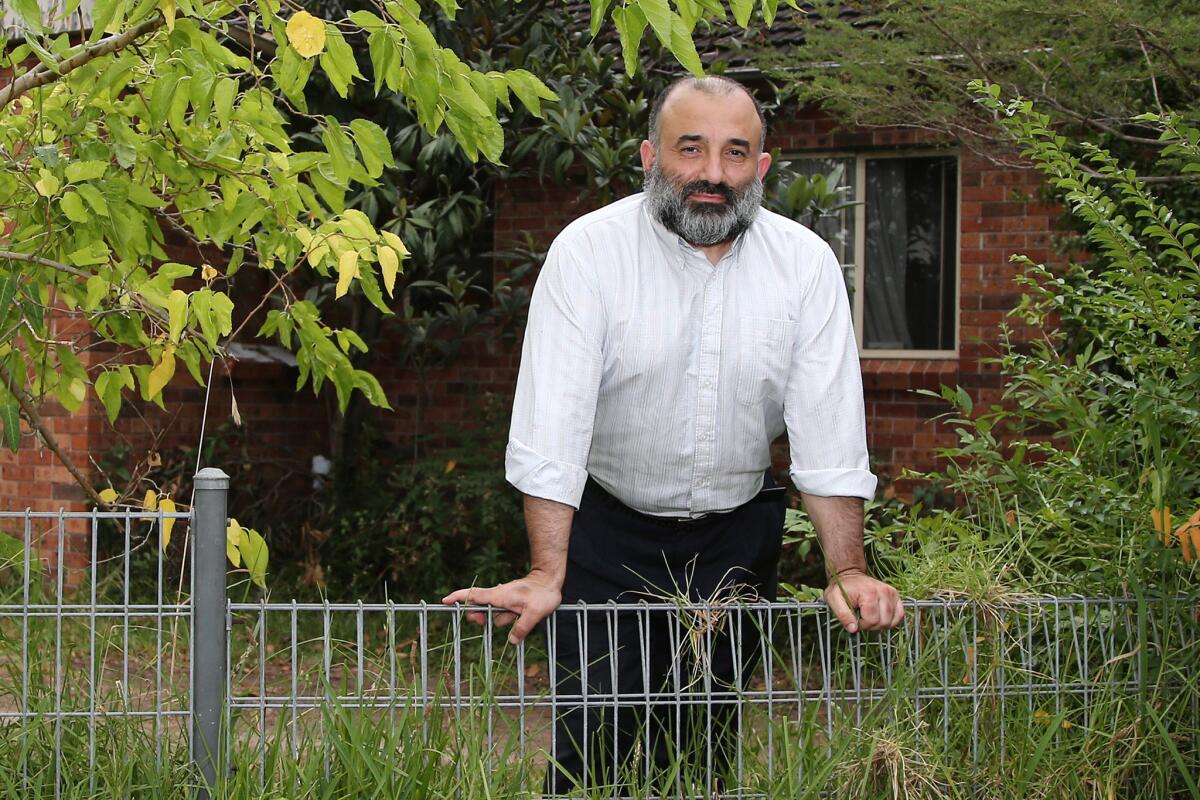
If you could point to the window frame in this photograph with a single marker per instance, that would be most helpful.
(860, 158)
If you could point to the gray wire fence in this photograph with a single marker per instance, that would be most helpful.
(166, 636)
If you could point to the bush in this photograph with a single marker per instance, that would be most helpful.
(1079, 478)
(414, 528)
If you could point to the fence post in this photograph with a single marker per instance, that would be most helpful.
(208, 625)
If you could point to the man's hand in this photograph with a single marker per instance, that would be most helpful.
(878, 604)
(527, 600)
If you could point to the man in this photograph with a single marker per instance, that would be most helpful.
(672, 336)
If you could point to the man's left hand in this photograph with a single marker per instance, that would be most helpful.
(877, 603)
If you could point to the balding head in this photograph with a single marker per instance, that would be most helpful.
(714, 85)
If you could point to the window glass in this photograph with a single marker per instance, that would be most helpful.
(836, 228)
(908, 286)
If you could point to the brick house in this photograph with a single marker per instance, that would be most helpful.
(926, 256)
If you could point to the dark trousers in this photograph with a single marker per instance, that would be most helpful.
(620, 674)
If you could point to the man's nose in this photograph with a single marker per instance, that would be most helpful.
(712, 170)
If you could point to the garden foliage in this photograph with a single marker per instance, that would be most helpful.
(173, 122)
(1086, 478)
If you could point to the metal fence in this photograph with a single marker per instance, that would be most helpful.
(154, 634)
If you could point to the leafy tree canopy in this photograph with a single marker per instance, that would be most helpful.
(171, 126)
(1092, 65)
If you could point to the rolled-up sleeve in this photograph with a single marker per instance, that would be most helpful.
(823, 405)
(555, 405)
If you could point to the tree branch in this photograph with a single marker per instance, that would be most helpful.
(143, 305)
(41, 74)
(45, 262)
(35, 422)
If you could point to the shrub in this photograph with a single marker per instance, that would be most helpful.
(1093, 451)
(417, 527)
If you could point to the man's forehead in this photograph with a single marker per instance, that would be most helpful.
(688, 106)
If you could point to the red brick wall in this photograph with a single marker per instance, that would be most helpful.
(999, 217)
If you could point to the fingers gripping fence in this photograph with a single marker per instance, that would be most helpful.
(151, 660)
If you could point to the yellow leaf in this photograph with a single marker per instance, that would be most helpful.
(167, 506)
(177, 305)
(450, 465)
(306, 34)
(167, 7)
(1162, 522)
(208, 273)
(389, 263)
(394, 242)
(254, 555)
(163, 371)
(48, 184)
(347, 271)
(150, 501)
(233, 538)
(108, 495)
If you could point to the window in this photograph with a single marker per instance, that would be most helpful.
(897, 239)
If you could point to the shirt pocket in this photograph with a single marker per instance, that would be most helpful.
(764, 358)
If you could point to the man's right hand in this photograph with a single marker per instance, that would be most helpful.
(527, 600)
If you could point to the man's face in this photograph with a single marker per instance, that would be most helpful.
(704, 179)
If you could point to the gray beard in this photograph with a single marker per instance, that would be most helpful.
(702, 224)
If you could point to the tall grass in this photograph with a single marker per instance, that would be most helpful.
(1115, 720)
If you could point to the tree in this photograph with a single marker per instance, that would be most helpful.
(1091, 65)
(174, 122)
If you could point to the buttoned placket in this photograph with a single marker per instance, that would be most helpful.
(707, 371)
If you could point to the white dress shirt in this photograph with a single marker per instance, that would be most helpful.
(666, 378)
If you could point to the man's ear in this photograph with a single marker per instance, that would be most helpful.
(648, 155)
(764, 163)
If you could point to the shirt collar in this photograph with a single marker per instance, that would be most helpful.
(671, 240)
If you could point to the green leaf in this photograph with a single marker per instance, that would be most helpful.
(373, 146)
(253, 549)
(223, 98)
(142, 196)
(90, 255)
(291, 73)
(658, 13)
(161, 95)
(631, 26)
(338, 61)
(599, 9)
(449, 7)
(741, 11)
(97, 290)
(177, 305)
(94, 198)
(10, 416)
(769, 10)
(529, 89)
(341, 152)
(85, 170)
(31, 12)
(108, 387)
(367, 21)
(73, 207)
(684, 49)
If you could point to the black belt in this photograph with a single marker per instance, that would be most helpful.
(769, 493)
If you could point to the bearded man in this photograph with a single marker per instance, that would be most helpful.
(672, 336)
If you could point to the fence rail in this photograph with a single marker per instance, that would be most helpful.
(151, 637)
